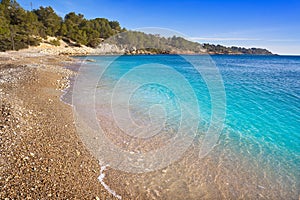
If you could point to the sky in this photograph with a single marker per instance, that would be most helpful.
(270, 24)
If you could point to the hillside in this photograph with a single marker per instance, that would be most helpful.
(20, 29)
(135, 42)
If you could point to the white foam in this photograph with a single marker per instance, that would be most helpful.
(101, 177)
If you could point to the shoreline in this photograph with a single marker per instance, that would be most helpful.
(219, 177)
(41, 154)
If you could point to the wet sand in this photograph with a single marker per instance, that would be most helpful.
(223, 174)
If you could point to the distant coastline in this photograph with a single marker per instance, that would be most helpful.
(76, 35)
(46, 47)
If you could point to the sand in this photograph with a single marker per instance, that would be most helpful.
(41, 156)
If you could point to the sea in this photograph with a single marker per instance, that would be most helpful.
(192, 126)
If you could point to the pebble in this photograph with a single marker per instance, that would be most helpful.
(262, 187)
(26, 158)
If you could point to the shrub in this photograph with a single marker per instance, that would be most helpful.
(54, 42)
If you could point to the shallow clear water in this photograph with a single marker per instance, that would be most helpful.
(258, 151)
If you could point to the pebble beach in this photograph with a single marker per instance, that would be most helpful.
(41, 156)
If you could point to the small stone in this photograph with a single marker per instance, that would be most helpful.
(26, 158)
(261, 187)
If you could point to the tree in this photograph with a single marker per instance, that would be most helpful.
(33, 26)
(50, 20)
(115, 26)
(5, 43)
(63, 30)
(102, 26)
(14, 17)
(74, 25)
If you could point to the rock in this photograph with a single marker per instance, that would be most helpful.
(90, 60)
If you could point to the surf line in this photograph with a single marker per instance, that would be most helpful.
(101, 179)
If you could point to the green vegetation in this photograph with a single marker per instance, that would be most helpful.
(16, 28)
(54, 42)
(218, 49)
(136, 41)
(155, 43)
(20, 28)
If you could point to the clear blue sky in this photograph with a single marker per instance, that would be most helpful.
(274, 25)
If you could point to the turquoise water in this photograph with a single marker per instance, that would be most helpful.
(262, 122)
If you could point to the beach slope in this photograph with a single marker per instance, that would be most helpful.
(41, 155)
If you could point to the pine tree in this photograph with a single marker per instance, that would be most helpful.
(50, 20)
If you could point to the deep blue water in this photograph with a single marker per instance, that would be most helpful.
(262, 104)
